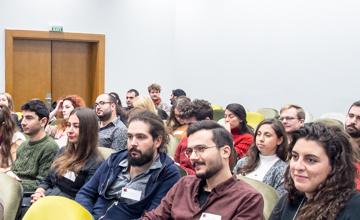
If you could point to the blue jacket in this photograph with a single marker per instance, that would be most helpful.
(92, 195)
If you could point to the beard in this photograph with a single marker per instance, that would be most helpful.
(145, 157)
(105, 116)
(355, 133)
(213, 169)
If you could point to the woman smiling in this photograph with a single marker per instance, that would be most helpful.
(320, 180)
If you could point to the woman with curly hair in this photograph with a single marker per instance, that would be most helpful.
(62, 111)
(175, 124)
(235, 123)
(265, 160)
(10, 139)
(320, 180)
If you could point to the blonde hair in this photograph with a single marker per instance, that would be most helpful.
(155, 87)
(145, 102)
(10, 106)
(300, 111)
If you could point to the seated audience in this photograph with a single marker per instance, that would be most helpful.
(352, 123)
(112, 131)
(133, 181)
(175, 124)
(154, 92)
(320, 180)
(191, 112)
(214, 192)
(265, 160)
(235, 123)
(6, 99)
(130, 96)
(62, 111)
(292, 117)
(176, 94)
(10, 139)
(145, 102)
(120, 112)
(76, 163)
(34, 156)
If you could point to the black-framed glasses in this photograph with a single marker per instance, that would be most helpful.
(198, 150)
(287, 118)
(101, 103)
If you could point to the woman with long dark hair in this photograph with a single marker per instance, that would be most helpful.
(77, 162)
(10, 139)
(236, 124)
(320, 180)
(265, 160)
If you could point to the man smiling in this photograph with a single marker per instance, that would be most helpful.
(214, 193)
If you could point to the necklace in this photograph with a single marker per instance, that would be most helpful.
(299, 207)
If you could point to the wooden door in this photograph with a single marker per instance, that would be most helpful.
(31, 70)
(40, 62)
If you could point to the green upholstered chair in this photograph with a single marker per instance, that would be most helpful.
(308, 117)
(11, 191)
(57, 207)
(269, 194)
(331, 122)
(338, 116)
(235, 159)
(254, 118)
(183, 172)
(56, 121)
(106, 152)
(216, 107)
(171, 147)
(268, 112)
(218, 114)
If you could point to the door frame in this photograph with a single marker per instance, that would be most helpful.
(99, 39)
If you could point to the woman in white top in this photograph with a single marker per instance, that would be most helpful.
(62, 111)
(265, 160)
(10, 139)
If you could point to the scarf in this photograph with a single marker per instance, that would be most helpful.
(157, 102)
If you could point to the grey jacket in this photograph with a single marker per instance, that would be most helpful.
(274, 177)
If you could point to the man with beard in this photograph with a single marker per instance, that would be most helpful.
(352, 123)
(112, 132)
(133, 181)
(214, 193)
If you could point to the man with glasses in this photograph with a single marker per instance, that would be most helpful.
(112, 132)
(292, 117)
(352, 123)
(214, 193)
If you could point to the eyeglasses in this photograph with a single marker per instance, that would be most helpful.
(101, 103)
(287, 118)
(198, 150)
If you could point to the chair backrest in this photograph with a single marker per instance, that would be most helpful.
(56, 207)
(268, 112)
(234, 156)
(269, 194)
(11, 191)
(308, 117)
(338, 116)
(254, 118)
(331, 122)
(19, 114)
(106, 152)
(216, 107)
(218, 114)
(1, 207)
(183, 172)
(56, 121)
(171, 147)
(221, 122)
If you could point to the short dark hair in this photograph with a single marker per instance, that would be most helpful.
(221, 136)
(157, 127)
(178, 92)
(134, 90)
(357, 103)
(37, 106)
(198, 108)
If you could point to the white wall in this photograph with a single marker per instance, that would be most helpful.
(257, 53)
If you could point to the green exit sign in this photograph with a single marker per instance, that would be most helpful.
(56, 28)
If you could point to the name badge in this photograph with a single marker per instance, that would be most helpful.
(131, 194)
(208, 216)
(70, 175)
(178, 132)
